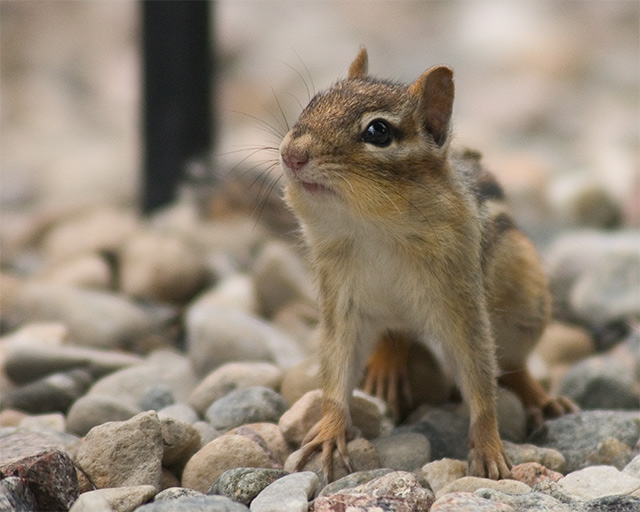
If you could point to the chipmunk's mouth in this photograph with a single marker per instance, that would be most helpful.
(315, 188)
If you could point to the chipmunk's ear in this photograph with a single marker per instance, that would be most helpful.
(434, 90)
(359, 66)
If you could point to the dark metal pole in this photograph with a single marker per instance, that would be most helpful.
(177, 72)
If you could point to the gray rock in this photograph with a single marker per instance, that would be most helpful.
(16, 496)
(162, 367)
(446, 431)
(251, 405)
(613, 504)
(21, 442)
(50, 394)
(94, 318)
(95, 409)
(353, 480)
(123, 453)
(531, 501)
(600, 382)
(194, 504)
(118, 499)
(244, 484)
(290, 493)
(174, 493)
(473, 483)
(597, 482)
(220, 334)
(28, 362)
(402, 452)
(578, 435)
(206, 431)
(232, 376)
(157, 397)
(225, 452)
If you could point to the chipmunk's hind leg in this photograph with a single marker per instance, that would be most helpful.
(387, 372)
(520, 307)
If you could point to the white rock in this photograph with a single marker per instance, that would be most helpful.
(598, 481)
(290, 493)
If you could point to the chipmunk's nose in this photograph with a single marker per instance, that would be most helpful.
(295, 160)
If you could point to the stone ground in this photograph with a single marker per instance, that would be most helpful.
(166, 363)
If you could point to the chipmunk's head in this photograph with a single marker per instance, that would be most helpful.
(365, 142)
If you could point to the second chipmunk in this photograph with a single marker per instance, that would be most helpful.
(411, 240)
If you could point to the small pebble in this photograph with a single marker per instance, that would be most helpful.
(119, 499)
(402, 452)
(244, 484)
(194, 504)
(473, 483)
(597, 482)
(468, 502)
(251, 405)
(291, 493)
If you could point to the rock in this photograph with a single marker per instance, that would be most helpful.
(19, 443)
(361, 455)
(82, 271)
(54, 421)
(533, 501)
(359, 502)
(194, 504)
(50, 394)
(206, 431)
(613, 504)
(593, 275)
(269, 436)
(104, 229)
(402, 452)
(601, 382)
(232, 376)
(353, 480)
(468, 502)
(281, 278)
(443, 472)
(174, 493)
(28, 362)
(446, 431)
(633, 468)
(306, 412)
(598, 481)
(180, 412)
(95, 409)
(221, 454)
(162, 367)
(119, 499)
(610, 452)
(156, 397)
(576, 435)
(512, 417)
(532, 473)
(564, 344)
(161, 267)
(180, 442)
(94, 318)
(123, 453)
(594, 207)
(291, 493)
(398, 484)
(251, 405)
(299, 320)
(525, 453)
(473, 483)
(220, 334)
(244, 484)
(16, 496)
(300, 379)
(11, 417)
(235, 291)
(49, 475)
(91, 501)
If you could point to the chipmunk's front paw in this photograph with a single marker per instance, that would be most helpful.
(489, 462)
(552, 408)
(326, 436)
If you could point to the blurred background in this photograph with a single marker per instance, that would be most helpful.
(547, 91)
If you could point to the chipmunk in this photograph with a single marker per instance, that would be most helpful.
(411, 240)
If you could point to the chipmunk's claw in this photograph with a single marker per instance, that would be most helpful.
(327, 439)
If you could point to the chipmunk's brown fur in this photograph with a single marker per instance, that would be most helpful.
(407, 236)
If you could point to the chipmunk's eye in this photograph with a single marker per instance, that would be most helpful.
(378, 133)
